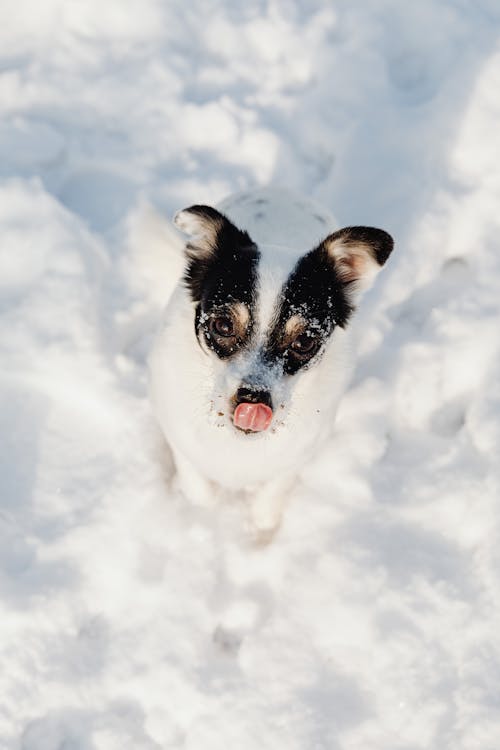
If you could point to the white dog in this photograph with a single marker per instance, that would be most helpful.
(252, 357)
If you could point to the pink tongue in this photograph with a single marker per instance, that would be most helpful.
(255, 417)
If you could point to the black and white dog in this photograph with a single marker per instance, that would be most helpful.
(252, 356)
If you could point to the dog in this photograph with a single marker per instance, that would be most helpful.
(252, 354)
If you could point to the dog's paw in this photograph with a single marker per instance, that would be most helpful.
(265, 511)
(264, 537)
(261, 531)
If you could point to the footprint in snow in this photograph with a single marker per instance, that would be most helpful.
(413, 75)
(242, 617)
(101, 197)
(453, 280)
(449, 419)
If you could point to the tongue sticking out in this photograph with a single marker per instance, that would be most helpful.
(254, 417)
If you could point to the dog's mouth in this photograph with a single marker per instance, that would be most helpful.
(252, 417)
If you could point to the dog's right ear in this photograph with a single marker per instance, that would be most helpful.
(212, 238)
(202, 224)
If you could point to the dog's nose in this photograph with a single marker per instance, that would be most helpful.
(246, 395)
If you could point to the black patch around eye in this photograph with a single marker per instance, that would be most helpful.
(315, 293)
(227, 277)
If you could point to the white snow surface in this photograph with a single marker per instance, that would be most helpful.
(130, 618)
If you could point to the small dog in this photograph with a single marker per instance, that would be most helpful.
(252, 356)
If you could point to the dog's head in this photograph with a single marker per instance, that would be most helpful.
(266, 321)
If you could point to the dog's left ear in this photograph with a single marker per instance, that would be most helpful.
(358, 254)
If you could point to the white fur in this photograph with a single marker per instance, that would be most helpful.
(191, 388)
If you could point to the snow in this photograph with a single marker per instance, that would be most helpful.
(130, 618)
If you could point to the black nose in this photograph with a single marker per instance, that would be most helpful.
(252, 396)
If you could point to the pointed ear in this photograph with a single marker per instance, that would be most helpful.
(203, 225)
(358, 254)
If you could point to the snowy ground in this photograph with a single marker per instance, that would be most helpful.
(130, 619)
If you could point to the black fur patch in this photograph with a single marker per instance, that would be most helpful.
(226, 276)
(315, 293)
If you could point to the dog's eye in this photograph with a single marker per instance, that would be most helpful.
(304, 345)
(222, 325)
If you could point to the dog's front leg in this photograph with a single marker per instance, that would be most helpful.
(266, 507)
(190, 483)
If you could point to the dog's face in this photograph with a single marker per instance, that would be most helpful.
(266, 321)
